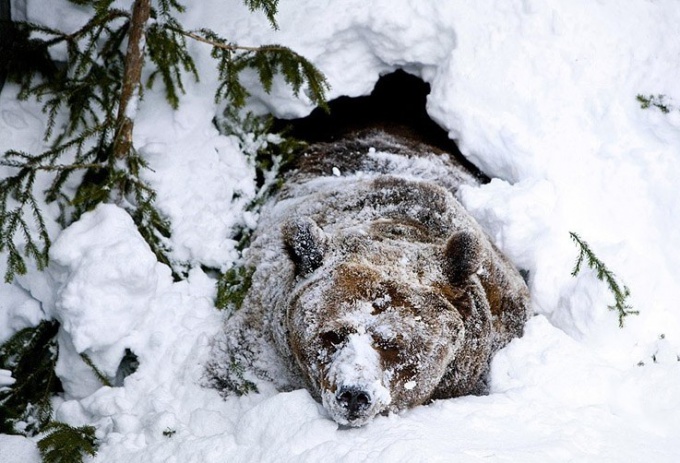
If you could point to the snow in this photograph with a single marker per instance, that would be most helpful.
(540, 96)
(17, 449)
(357, 366)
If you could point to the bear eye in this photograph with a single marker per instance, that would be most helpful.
(389, 350)
(332, 339)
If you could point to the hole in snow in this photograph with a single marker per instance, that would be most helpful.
(397, 103)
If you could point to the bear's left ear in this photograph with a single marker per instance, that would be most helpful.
(462, 256)
(305, 243)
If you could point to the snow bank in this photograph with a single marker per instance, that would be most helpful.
(540, 95)
(18, 449)
(203, 180)
(106, 274)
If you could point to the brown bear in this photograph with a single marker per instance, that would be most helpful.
(373, 287)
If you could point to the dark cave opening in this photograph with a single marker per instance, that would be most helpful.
(397, 102)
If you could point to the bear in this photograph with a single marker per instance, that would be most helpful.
(372, 287)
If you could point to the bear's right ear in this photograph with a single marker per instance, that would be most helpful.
(462, 256)
(305, 243)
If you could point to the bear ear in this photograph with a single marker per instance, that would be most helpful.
(462, 256)
(305, 243)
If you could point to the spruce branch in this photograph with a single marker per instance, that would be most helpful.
(91, 99)
(54, 167)
(103, 15)
(267, 60)
(269, 7)
(621, 294)
(271, 155)
(167, 50)
(63, 443)
(211, 38)
(31, 355)
(167, 6)
(233, 380)
(95, 92)
(656, 101)
(17, 220)
(232, 287)
(97, 372)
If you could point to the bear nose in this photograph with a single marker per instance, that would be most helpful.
(353, 399)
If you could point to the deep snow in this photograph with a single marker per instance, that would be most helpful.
(539, 95)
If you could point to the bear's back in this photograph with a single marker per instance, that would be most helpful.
(380, 200)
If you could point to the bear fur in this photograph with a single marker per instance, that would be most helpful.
(373, 287)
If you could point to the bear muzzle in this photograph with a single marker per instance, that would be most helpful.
(354, 400)
(353, 405)
(355, 388)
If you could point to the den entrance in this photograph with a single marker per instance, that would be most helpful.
(397, 103)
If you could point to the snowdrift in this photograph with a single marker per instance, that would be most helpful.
(539, 95)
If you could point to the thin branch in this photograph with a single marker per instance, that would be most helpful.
(227, 46)
(605, 275)
(53, 168)
(93, 23)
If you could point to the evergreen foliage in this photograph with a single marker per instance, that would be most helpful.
(233, 286)
(656, 101)
(30, 355)
(97, 372)
(166, 47)
(21, 56)
(621, 294)
(89, 100)
(234, 383)
(91, 97)
(67, 444)
(269, 7)
(271, 155)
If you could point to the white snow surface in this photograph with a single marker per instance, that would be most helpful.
(539, 95)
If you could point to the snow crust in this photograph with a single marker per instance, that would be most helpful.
(539, 95)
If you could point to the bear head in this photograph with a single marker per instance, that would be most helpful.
(373, 320)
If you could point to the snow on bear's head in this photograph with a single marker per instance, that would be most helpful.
(371, 320)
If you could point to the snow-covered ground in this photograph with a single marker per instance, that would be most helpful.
(541, 95)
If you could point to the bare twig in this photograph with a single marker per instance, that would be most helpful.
(228, 46)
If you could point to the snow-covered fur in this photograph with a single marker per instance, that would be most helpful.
(373, 287)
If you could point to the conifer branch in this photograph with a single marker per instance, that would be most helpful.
(166, 48)
(96, 90)
(17, 220)
(54, 167)
(89, 104)
(269, 7)
(217, 43)
(97, 372)
(63, 443)
(31, 355)
(657, 101)
(603, 274)
(267, 60)
(271, 156)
